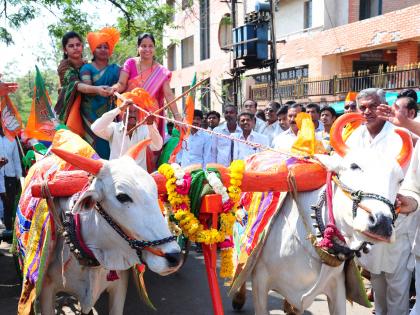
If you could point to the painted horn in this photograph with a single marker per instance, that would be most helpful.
(134, 151)
(89, 165)
(407, 147)
(336, 133)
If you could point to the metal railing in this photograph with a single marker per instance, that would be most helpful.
(339, 84)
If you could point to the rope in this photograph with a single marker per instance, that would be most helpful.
(125, 131)
(221, 135)
(45, 193)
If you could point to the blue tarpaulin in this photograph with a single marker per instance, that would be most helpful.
(390, 99)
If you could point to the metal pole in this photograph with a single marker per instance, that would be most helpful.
(235, 74)
(273, 53)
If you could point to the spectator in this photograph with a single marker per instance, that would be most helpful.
(251, 107)
(408, 93)
(271, 127)
(213, 119)
(285, 140)
(204, 122)
(241, 150)
(12, 172)
(350, 103)
(328, 116)
(196, 148)
(113, 132)
(221, 148)
(314, 110)
(282, 117)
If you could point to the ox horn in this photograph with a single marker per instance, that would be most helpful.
(89, 165)
(336, 133)
(134, 151)
(407, 147)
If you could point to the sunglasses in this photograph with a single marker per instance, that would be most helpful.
(350, 106)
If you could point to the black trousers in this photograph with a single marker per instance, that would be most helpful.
(11, 185)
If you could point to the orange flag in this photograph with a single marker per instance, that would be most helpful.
(189, 116)
(40, 124)
(10, 118)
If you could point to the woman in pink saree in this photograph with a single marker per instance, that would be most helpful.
(144, 72)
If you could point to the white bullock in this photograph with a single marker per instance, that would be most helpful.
(289, 264)
(128, 195)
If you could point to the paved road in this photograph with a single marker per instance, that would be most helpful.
(185, 292)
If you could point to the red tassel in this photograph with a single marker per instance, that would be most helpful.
(112, 276)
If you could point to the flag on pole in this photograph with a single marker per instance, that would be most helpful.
(10, 118)
(40, 124)
(189, 116)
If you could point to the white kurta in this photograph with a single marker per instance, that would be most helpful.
(285, 140)
(271, 131)
(221, 148)
(113, 132)
(242, 150)
(196, 149)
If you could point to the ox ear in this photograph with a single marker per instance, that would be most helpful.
(88, 198)
(332, 163)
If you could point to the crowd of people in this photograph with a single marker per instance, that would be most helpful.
(88, 89)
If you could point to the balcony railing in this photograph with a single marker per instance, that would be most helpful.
(340, 84)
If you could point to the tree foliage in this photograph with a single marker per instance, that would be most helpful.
(137, 16)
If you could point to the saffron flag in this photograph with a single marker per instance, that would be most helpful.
(41, 123)
(189, 116)
(10, 118)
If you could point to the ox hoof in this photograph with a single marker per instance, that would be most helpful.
(289, 309)
(238, 301)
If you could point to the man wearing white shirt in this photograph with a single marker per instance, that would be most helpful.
(196, 148)
(284, 141)
(271, 127)
(315, 111)
(387, 263)
(12, 172)
(251, 107)
(113, 132)
(222, 148)
(242, 150)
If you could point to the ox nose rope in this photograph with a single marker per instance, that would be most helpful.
(358, 195)
(136, 244)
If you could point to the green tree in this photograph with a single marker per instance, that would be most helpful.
(138, 16)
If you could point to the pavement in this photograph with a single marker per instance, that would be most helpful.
(185, 292)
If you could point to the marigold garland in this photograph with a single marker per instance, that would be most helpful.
(177, 186)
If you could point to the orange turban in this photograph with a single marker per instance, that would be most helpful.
(143, 99)
(351, 97)
(107, 35)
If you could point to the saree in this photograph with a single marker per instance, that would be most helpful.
(94, 106)
(152, 81)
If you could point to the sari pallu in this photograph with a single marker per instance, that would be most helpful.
(69, 99)
(94, 106)
(154, 85)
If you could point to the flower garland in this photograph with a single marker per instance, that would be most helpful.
(178, 183)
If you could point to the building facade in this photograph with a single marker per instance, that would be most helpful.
(324, 49)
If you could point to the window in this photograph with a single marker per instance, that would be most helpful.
(225, 32)
(171, 55)
(204, 29)
(186, 4)
(205, 92)
(370, 8)
(307, 14)
(187, 51)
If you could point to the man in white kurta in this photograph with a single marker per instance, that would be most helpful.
(387, 263)
(271, 127)
(113, 132)
(222, 148)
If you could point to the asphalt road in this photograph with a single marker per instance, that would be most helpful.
(185, 292)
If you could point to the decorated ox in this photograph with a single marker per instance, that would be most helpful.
(120, 223)
(291, 264)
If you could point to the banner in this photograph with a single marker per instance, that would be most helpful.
(41, 125)
(10, 118)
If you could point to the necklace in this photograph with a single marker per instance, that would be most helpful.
(147, 71)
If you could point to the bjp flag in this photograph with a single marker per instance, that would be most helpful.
(40, 124)
(10, 118)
